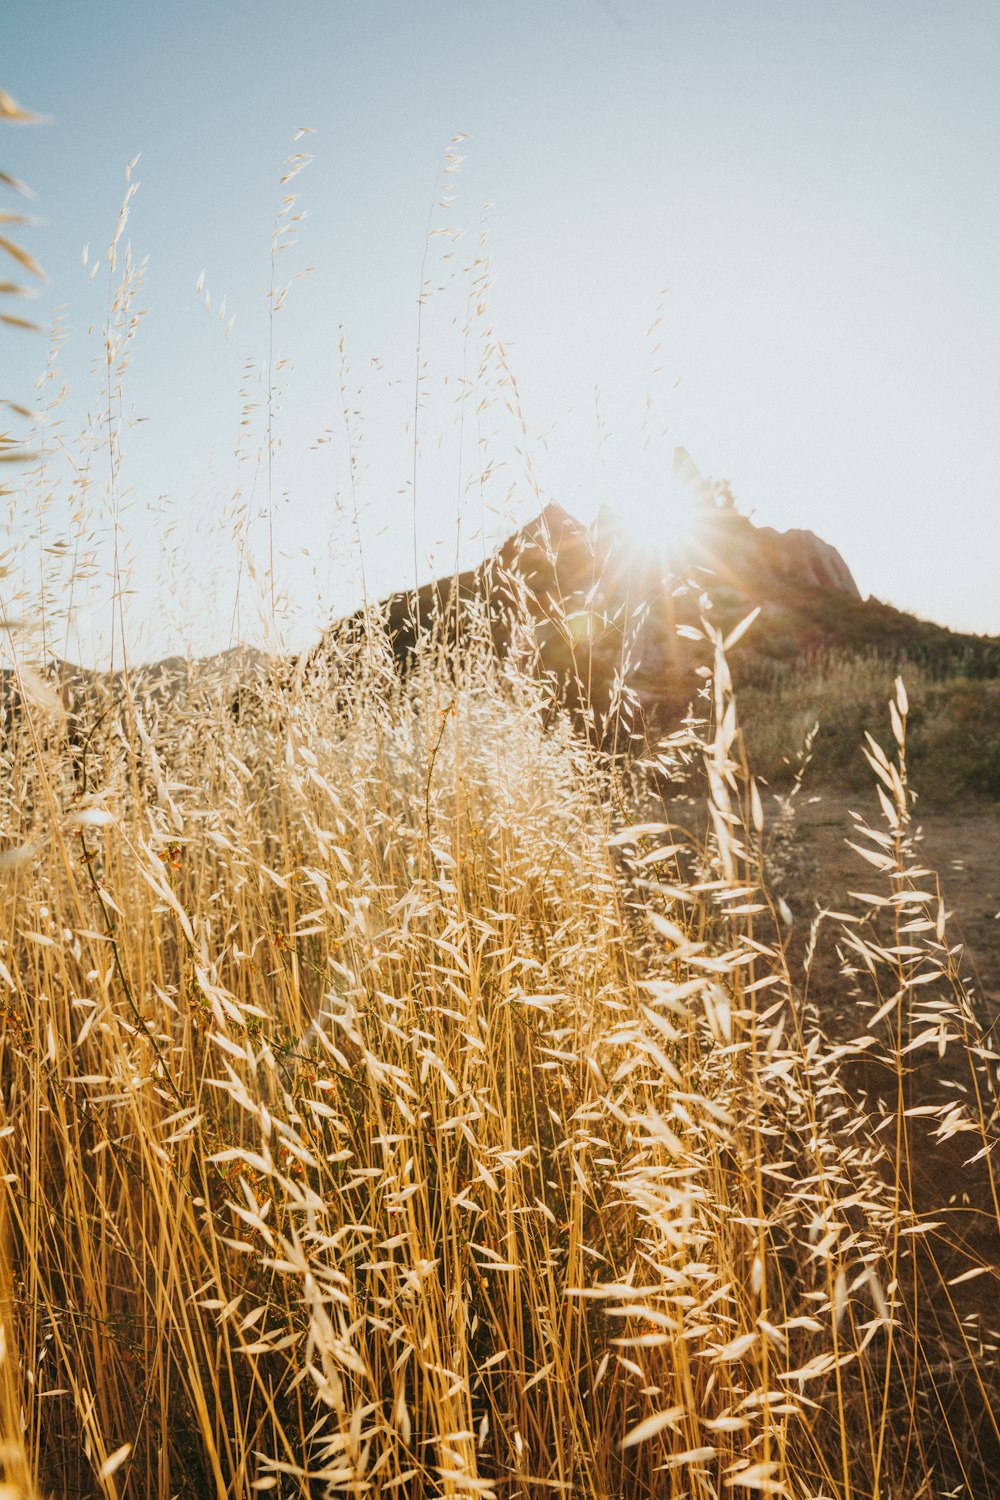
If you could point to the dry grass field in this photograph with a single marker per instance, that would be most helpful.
(399, 1098)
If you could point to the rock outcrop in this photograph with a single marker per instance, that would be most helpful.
(759, 561)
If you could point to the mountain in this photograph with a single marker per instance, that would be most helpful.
(603, 616)
(606, 612)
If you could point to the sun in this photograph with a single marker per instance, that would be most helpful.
(658, 534)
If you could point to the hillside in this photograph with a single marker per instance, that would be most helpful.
(606, 618)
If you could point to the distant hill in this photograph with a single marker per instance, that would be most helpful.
(81, 695)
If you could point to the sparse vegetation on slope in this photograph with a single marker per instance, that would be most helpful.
(953, 733)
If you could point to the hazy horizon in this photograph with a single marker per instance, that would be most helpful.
(767, 235)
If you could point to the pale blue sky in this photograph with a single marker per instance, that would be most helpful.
(815, 183)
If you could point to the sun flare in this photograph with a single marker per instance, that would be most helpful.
(666, 534)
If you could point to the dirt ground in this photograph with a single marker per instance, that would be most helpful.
(962, 846)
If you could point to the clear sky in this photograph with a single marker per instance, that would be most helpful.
(804, 193)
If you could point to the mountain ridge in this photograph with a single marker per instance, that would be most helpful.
(605, 613)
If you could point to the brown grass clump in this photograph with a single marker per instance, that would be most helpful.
(385, 1111)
